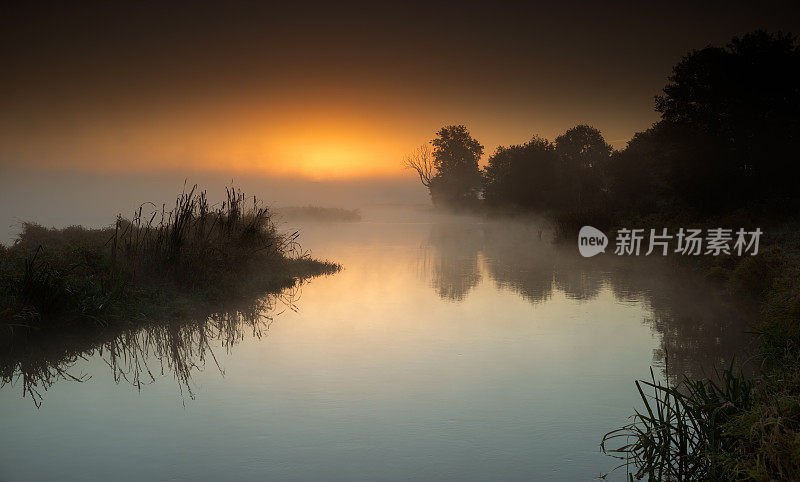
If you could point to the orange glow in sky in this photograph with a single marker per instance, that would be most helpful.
(314, 139)
(282, 141)
(284, 90)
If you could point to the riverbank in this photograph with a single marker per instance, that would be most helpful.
(158, 264)
(728, 427)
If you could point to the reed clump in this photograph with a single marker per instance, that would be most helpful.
(681, 432)
(158, 261)
(728, 427)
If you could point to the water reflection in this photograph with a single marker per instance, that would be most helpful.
(454, 266)
(699, 326)
(137, 355)
(508, 360)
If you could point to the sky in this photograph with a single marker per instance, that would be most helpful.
(336, 91)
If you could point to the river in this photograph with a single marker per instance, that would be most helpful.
(448, 348)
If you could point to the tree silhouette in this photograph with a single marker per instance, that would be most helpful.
(728, 137)
(584, 155)
(421, 161)
(743, 101)
(523, 175)
(583, 146)
(457, 181)
(542, 175)
(450, 171)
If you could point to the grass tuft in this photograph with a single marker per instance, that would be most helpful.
(157, 261)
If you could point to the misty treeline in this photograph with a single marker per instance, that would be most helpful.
(728, 137)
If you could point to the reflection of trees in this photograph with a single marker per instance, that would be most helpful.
(699, 327)
(452, 259)
(137, 352)
(579, 278)
(517, 260)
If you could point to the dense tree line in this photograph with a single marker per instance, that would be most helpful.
(729, 136)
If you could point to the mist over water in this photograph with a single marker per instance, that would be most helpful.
(449, 347)
(59, 199)
(293, 242)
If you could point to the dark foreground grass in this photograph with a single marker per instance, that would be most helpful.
(729, 427)
(158, 263)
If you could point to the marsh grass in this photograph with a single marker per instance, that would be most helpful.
(158, 261)
(679, 433)
(729, 427)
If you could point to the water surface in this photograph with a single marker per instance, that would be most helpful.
(449, 348)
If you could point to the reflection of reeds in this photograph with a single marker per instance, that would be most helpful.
(138, 354)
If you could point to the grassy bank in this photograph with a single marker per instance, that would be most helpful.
(727, 427)
(158, 263)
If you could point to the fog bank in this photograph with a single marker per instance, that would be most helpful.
(61, 199)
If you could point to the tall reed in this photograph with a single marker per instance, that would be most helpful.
(158, 259)
(680, 433)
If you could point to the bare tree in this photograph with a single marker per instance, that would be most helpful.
(421, 160)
